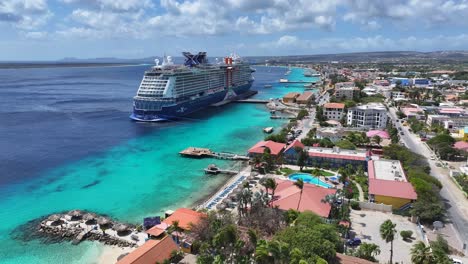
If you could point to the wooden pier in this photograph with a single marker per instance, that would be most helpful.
(193, 152)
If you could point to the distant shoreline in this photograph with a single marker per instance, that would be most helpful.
(27, 65)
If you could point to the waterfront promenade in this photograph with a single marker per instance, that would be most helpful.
(226, 189)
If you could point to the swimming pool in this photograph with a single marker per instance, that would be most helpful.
(309, 178)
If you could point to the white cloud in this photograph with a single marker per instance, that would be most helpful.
(113, 5)
(409, 13)
(24, 14)
(36, 35)
(373, 43)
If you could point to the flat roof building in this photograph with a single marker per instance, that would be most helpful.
(372, 116)
(388, 183)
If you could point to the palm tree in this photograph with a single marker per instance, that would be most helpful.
(175, 224)
(264, 183)
(368, 251)
(387, 232)
(299, 184)
(272, 185)
(279, 251)
(377, 139)
(420, 254)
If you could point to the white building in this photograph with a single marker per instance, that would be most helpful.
(346, 92)
(373, 116)
(333, 111)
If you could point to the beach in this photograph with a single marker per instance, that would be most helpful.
(109, 254)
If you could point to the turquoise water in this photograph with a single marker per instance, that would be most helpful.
(140, 177)
(308, 178)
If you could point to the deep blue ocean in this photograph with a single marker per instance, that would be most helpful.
(66, 142)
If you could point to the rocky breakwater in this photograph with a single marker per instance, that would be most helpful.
(77, 226)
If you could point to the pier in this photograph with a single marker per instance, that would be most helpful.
(193, 152)
(281, 117)
(252, 101)
(300, 81)
(213, 169)
(236, 98)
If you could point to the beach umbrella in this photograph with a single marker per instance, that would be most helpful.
(54, 217)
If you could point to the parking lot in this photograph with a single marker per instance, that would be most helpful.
(366, 226)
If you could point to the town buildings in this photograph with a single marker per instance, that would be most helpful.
(305, 98)
(388, 184)
(372, 116)
(290, 98)
(288, 196)
(334, 111)
(347, 93)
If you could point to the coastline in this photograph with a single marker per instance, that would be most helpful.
(109, 254)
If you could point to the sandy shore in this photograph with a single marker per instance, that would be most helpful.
(109, 254)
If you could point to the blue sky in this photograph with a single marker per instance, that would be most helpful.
(54, 29)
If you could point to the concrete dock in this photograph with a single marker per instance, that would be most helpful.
(193, 152)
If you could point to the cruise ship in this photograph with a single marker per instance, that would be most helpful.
(170, 91)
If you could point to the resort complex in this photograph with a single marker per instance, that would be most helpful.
(331, 159)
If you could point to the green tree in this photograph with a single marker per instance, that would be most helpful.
(367, 251)
(299, 183)
(377, 140)
(420, 254)
(301, 158)
(345, 144)
(387, 232)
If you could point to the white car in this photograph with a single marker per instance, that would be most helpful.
(432, 158)
(456, 261)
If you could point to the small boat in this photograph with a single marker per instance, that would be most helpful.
(283, 80)
(268, 86)
(268, 130)
(309, 85)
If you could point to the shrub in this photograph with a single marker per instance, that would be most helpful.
(355, 205)
(406, 234)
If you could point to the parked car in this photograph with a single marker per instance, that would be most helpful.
(401, 133)
(354, 242)
(423, 139)
(456, 261)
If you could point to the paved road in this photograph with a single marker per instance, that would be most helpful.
(456, 203)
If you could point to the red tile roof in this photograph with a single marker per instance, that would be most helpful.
(305, 96)
(400, 189)
(334, 105)
(288, 197)
(294, 144)
(344, 259)
(185, 217)
(151, 252)
(462, 145)
(274, 147)
(380, 133)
